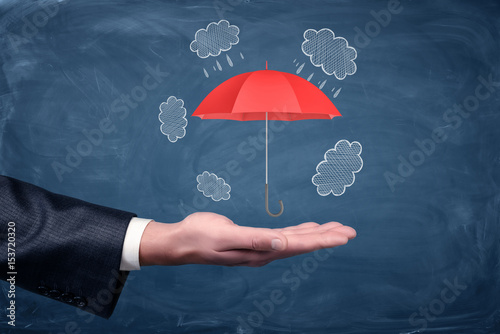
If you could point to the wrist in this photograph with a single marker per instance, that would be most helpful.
(146, 247)
(158, 245)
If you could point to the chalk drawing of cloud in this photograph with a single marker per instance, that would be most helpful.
(332, 54)
(173, 118)
(217, 37)
(336, 172)
(212, 186)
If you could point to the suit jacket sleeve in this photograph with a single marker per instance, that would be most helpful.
(66, 249)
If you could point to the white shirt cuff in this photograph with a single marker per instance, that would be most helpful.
(130, 252)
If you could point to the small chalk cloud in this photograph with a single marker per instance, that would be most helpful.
(336, 172)
(173, 118)
(217, 37)
(213, 186)
(332, 54)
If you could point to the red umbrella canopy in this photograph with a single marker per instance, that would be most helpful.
(249, 96)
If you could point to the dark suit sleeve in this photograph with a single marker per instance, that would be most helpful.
(66, 249)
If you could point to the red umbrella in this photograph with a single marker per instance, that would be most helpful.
(266, 95)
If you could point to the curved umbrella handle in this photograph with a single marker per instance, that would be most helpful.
(267, 205)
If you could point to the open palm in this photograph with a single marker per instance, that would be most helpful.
(209, 238)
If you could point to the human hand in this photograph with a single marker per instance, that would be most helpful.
(210, 238)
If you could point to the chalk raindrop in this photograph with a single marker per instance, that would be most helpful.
(300, 68)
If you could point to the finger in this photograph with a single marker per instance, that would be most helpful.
(305, 243)
(297, 244)
(259, 239)
(310, 224)
(297, 227)
(315, 229)
(348, 231)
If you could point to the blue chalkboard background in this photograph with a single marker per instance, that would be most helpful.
(424, 103)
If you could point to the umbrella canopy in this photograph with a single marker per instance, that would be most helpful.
(249, 96)
(266, 95)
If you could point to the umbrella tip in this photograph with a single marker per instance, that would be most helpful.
(266, 64)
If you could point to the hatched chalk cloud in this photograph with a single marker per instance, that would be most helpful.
(332, 54)
(217, 37)
(173, 118)
(213, 186)
(336, 172)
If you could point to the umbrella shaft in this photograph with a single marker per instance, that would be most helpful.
(266, 149)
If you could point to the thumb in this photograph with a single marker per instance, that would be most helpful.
(259, 239)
